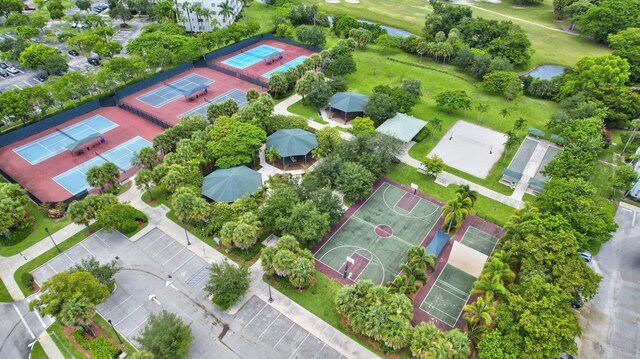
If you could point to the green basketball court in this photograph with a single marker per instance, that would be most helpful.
(448, 295)
(481, 241)
(379, 234)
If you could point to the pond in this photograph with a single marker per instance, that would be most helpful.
(547, 72)
(390, 30)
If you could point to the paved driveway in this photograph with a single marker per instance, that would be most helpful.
(611, 321)
(18, 328)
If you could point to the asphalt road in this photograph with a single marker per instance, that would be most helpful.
(611, 321)
(18, 328)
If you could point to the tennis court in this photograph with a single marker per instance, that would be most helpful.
(173, 90)
(448, 295)
(481, 241)
(240, 97)
(551, 153)
(75, 180)
(282, 68)
(46, 147)
(253, 56)
(379, 234)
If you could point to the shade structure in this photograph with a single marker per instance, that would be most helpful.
(437, 243)
(348, 101)
(292, 142)
(80, 142)
(402, 127)
(229, 184)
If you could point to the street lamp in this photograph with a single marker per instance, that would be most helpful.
(187, 235)
(54, 242)
(115, 331)
(269, 285)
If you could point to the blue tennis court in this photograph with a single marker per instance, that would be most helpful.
(282, 68)
(253, 56)
(240, 97)
(48, 146)
(75, 180)
(171, 91)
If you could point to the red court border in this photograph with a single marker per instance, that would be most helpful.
(38, 178)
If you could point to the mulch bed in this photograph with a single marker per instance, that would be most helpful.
(96, 330)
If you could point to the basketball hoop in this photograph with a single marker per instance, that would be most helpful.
(415, 188)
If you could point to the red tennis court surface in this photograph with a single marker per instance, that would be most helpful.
(171, 111)
(37, 178)
(290, 52)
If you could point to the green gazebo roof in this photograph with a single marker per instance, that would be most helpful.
(349, 101)
(402, 127)
(229, 184)
(292, 142)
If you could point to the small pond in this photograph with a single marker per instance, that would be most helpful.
(390, 30)
(547, 72)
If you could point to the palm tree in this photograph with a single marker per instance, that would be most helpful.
(418, 257)
(479, 311)
(497, 268)
(415, 273)
(474, 331)
(455, 211)
(271, 155)
(466, 192)
(504, 112)
(402, 284)
(225, 10)
(77, 19)
(206, 16)
(78, 312)
(491, 287)
(186, 7)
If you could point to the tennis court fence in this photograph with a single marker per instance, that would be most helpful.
(237, 74)
(145, 115)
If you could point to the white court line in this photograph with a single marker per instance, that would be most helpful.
(112, 309)
(24, 321)
(128, 315)
(270, 324)
(173, 256)
(285, 334)
(299, 345)
(256, 315)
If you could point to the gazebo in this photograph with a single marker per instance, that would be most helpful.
(350, 104)
(402, 127)
(291, 144)
(229, 184)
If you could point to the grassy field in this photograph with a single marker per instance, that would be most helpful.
(37, 352)
(552, 47)
(4, 293)
(261, 13)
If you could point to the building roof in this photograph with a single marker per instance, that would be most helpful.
(348, 101)
(292, 142)
(229, 184)
(402, 127)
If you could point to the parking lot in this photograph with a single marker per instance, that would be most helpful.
(162, 273)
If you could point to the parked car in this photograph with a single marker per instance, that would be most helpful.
(93, 61)
(73, 53)
(3, 65)
(3, 73)
(576, 304)
(42, 77)
(586, 256)
(74, 25)
(12, 70)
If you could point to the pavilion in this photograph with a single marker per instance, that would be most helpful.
(292, 144)
(348, 104)
(230, 184)
(402, 127)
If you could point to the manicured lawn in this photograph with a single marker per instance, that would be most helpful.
(4, 293)
(262, 14)
(551, 46)
(159, 195)
(306, 111)
(484, 207)
(47, 256)
(37, 352)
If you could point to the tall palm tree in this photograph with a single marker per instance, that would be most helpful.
(186, 7)
(455, 211)
(206, 16)
(225, 10)
(414, 272)
(497, 268)
(474, 331)
(78, 312)
(479, 312)
(466, 192)
(77, 19)
(197, 10)
(418, 257)
(491, 287)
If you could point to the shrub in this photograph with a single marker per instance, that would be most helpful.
(424, 133)
(26, 279)
(100, 347)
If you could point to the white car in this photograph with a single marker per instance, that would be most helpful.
(12, 70)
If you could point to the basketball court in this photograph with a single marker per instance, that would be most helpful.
(470, 148)
(240, 97)
(373, 242)
(174, 90)
(448, 295)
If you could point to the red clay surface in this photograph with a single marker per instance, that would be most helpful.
(359, 264)
(256, 70)
(37, 178)
(171, 111)
(407, 202)
(419, 315)
(384, 231)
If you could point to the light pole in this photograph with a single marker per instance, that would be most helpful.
(269, 285)
(115, 331)
(187, 235)
(54, 242)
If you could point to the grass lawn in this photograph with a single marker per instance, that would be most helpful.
(263, 14)
(4, 293)
(62, 342)
(37, 352)
(306, 111)
(551, 47)
(47, 256)
(159, 194)
(484, 207)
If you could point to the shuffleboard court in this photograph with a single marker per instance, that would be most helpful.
(252, 56)
(75, 181)
(481, 241)
(240, 97)
(173, 90)
(284, 67)
(448, 295)
(379, 234)
(48, 146)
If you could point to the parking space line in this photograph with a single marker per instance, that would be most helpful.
(24, 321)
(173, 256)
(28, 84)
(285, 334)
(137, 326)
(270, 324)
(299, 345)
(54, 271)
(255, 316)
(35, 310)
(128, 315)
(101, 240)
(17, 86)
(319, 351)
(112, 309)
(183, 263)
(86, 249)
(160, 251)
(71, 259)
